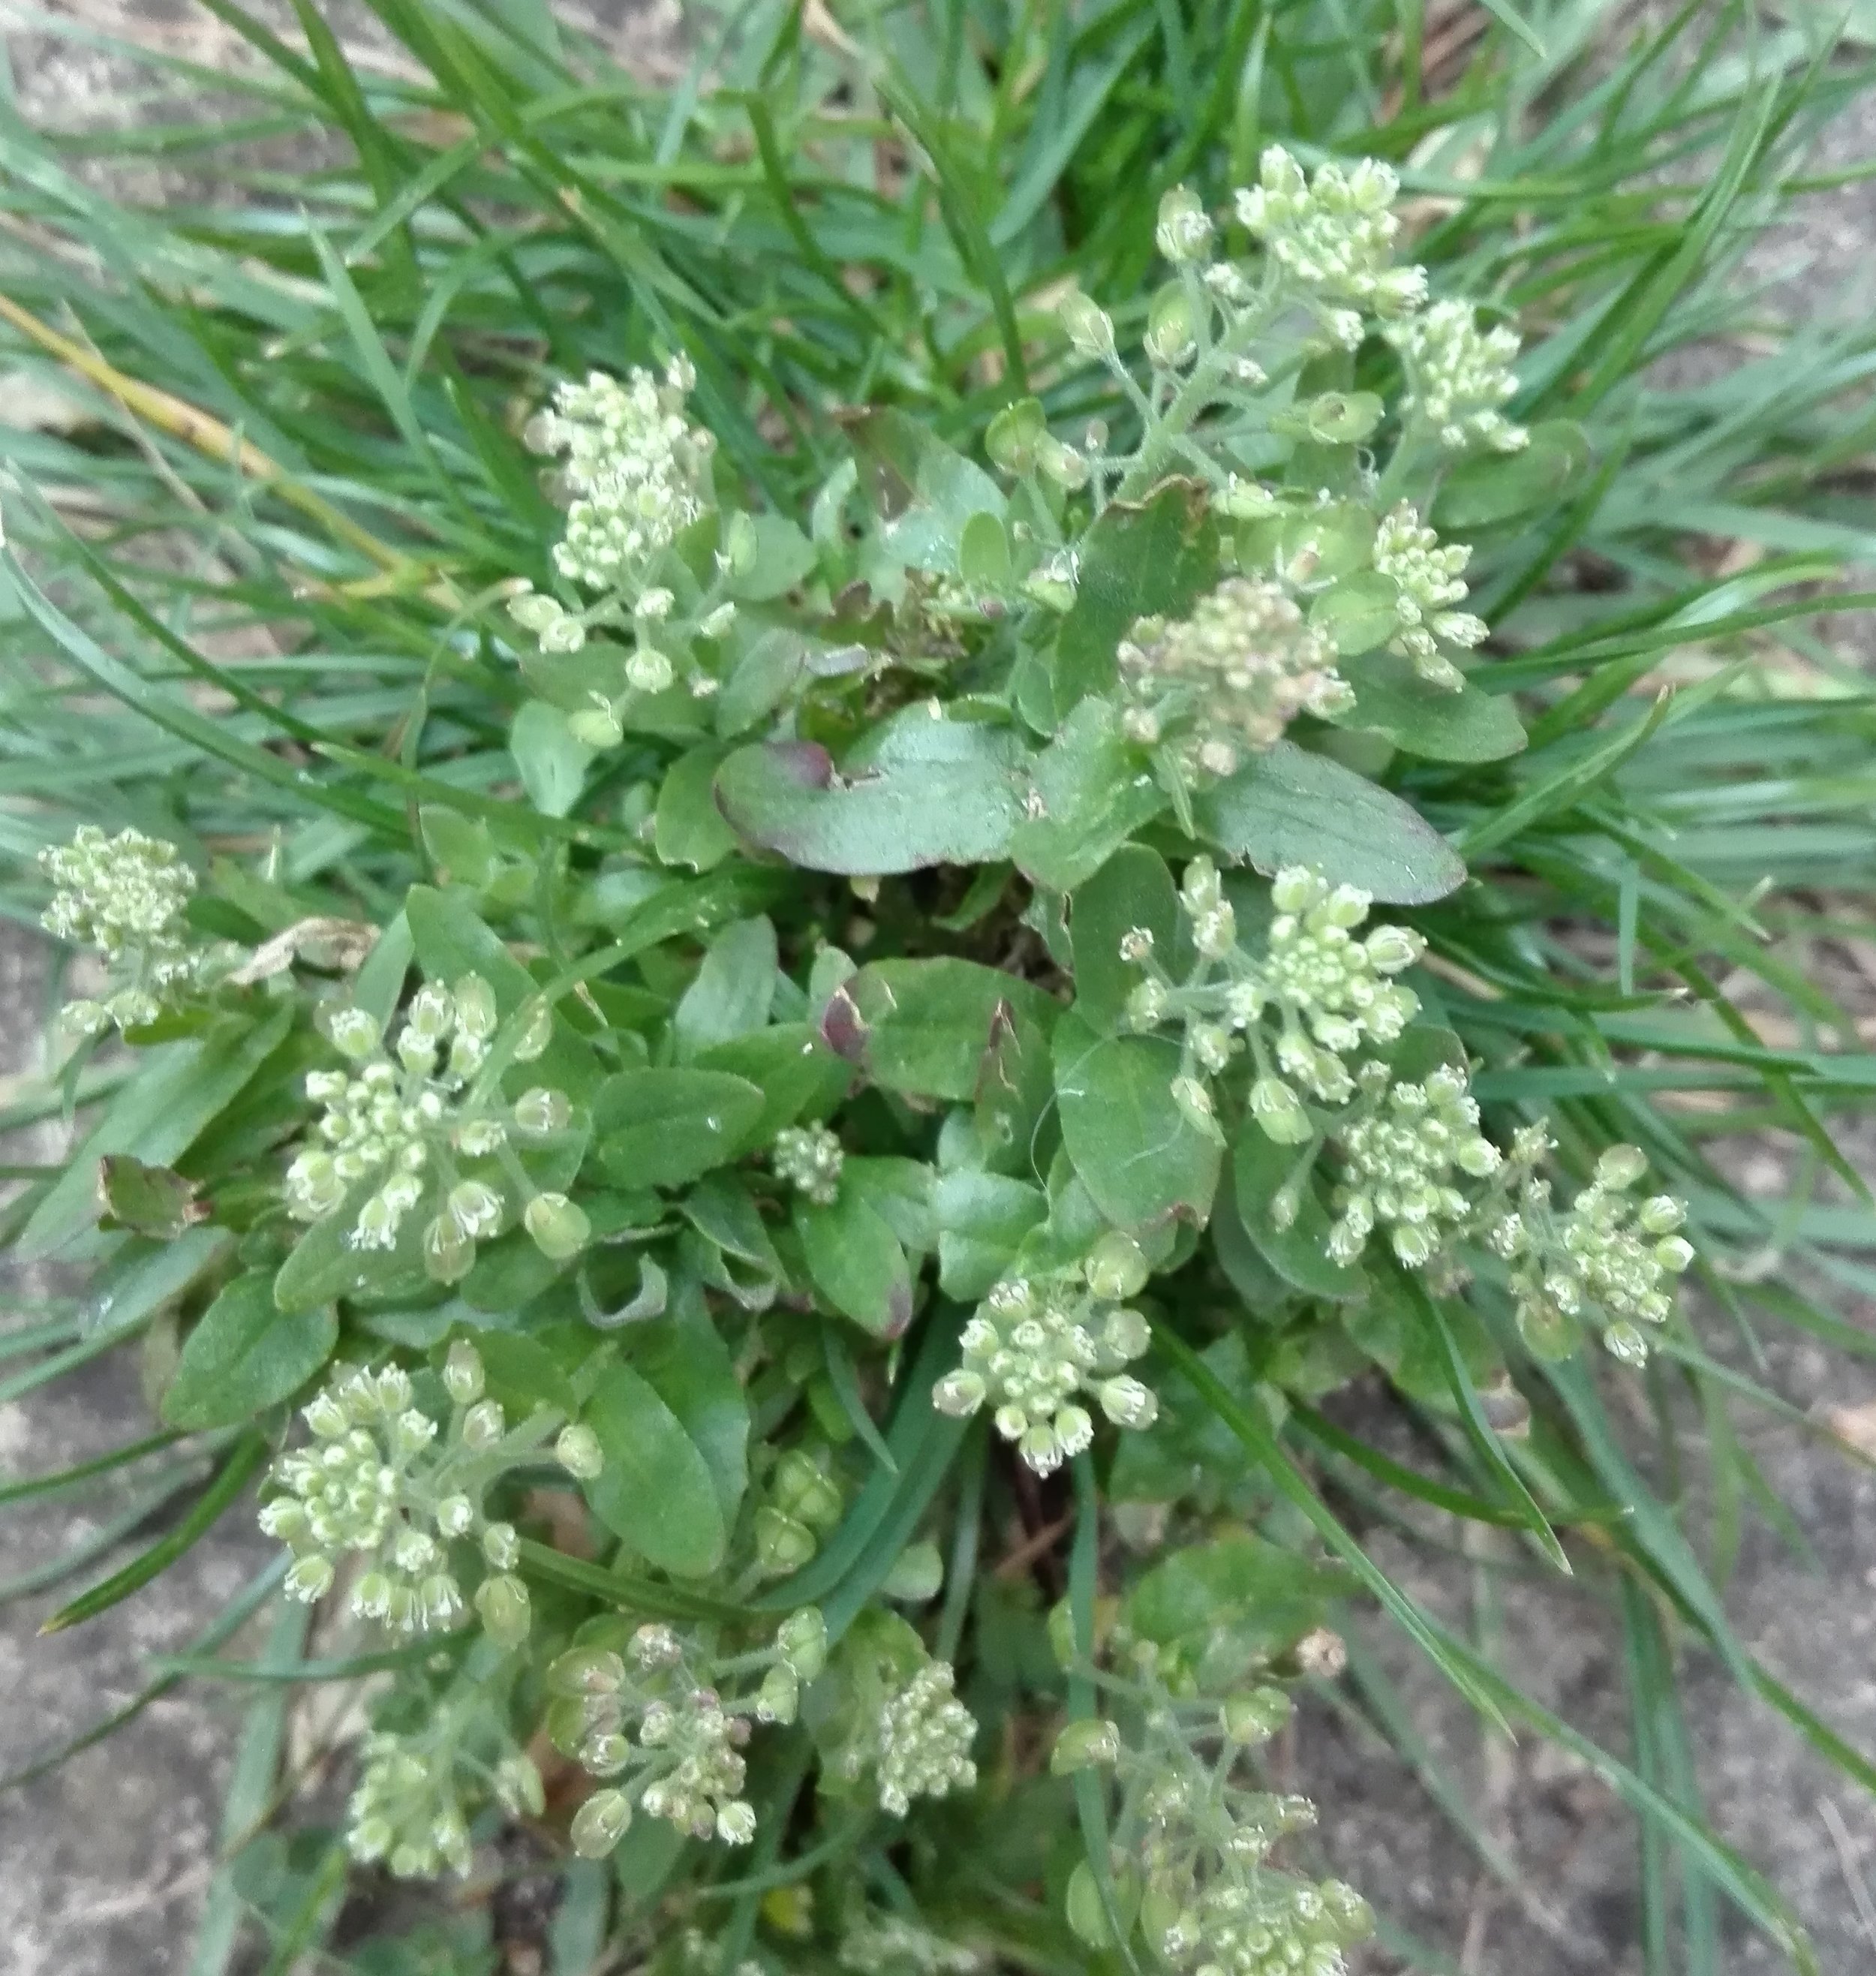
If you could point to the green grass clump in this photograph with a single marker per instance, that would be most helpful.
(734, 983)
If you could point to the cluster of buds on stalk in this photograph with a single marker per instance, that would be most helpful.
(1228, 679)
(1194, 1840)
(637, 474)
(385, 1483)
(809, 1158)
(1316, 998)
(1038, 1346)
(656, 1724)
(126, 897)
(1458, 378)
(910, 1730)
(413, 1123)
(1610, 1263)
(1426, 575)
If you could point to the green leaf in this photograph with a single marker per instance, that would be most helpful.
(1094, 793)
(732, 990)
(926, 1025)
(1155, 558)
(688, 826)
(664, 1128)
(246, 1354)
(1299, 1253)
(1392, 700)
(1137, 1153)
(155, 1201)
(1291, 807)
(684, 1358)
(791, 1063)
(1221, 1608)
(981, 1219)
(924, 791)
(1493, 487)
(783, 556)
(925, 492)
(857, 1262)
(553, 764)
(1133, 889)
(656, 1491)
(525, 1376)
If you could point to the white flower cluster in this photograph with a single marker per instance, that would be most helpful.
(686, 1766)
(380, 1482)
(809, 1158)
(1334, 231)
(637, 470)
(126, 897)
(1398, 1164)
(1031, 1347)
(1459, 375)
(875, 1943)
(1229, 678)
(925, 1735)
(1612, 1259)
(406, 1812)
(1426, 576)
(1317, 996)
(407, 1115)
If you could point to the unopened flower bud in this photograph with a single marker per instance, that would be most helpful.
(484, 1424)
(560, 1230)
(1620, 1167)
(1088, 328)
(1116, 1267)
(735, 1822)
(449, 1254)
(476, 1013)
(1279, 1112)
(1183, 233)
(577, 1450)
(536, 1032)
(1662, 1215)
(541, 1110)
(355, 1033)
(500, 1546)
(462, 1373)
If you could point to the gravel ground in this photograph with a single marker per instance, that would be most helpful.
(108, 1857)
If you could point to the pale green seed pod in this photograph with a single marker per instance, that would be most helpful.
(781, 1543)
(449, 1254)
(506, 1615)
(1083, 1746)
(601, 1823)
(1116, 1267)
(801, 1639)
(1279, 1112)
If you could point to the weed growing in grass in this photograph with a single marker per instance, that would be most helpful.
(854, 816)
